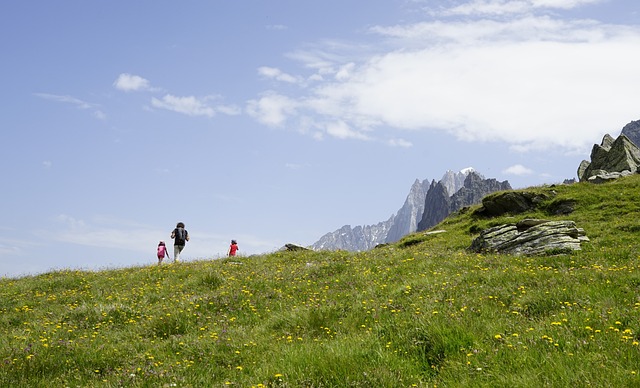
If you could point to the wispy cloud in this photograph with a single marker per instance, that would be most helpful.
(276, 27)
(78, 103)
(194, 106)
(518, 170)
(531, 80)
(190, 105)
(277, 74)
(342, 130)
(506, 7)
(295, 166)
(400, 143)
(13, 247)
(230, 110)
(102, 232)
(110, 232)
(66, 99)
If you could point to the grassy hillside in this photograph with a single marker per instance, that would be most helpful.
(421, 312)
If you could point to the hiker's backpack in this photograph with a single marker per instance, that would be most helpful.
(162, 249)
(181, 236)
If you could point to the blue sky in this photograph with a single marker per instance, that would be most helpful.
(274, 122)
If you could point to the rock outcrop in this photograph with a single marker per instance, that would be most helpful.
(610, 160)
(530, 237)
(510, 202)
(293, 248)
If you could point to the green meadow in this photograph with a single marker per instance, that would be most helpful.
(423, 312)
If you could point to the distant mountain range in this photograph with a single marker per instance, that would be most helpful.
(426, 205)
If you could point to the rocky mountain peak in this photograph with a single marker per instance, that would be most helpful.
(453, 181)
(475, 187)
(437, 205)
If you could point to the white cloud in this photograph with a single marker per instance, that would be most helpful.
(272, 109)
(518, 170)
(47, 164)
(532, 82)
(345, 71)
(191, 106)
(130, 82)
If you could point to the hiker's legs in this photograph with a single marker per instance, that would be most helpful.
(176, 252)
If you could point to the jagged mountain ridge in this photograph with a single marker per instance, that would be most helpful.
(408, 217)
(439, 204)
(358, 238)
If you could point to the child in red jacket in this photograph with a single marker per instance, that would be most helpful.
(233, 248)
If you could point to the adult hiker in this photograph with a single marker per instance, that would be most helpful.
(180, 236)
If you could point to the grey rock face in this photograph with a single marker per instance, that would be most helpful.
(407, 218)
(632, 131)
(530, 237)
(454, 181)
(611, 156)
(438, 205)
(582, 168)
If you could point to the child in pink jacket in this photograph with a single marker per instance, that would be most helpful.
(162, 252)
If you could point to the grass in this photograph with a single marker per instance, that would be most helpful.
(422, 312)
